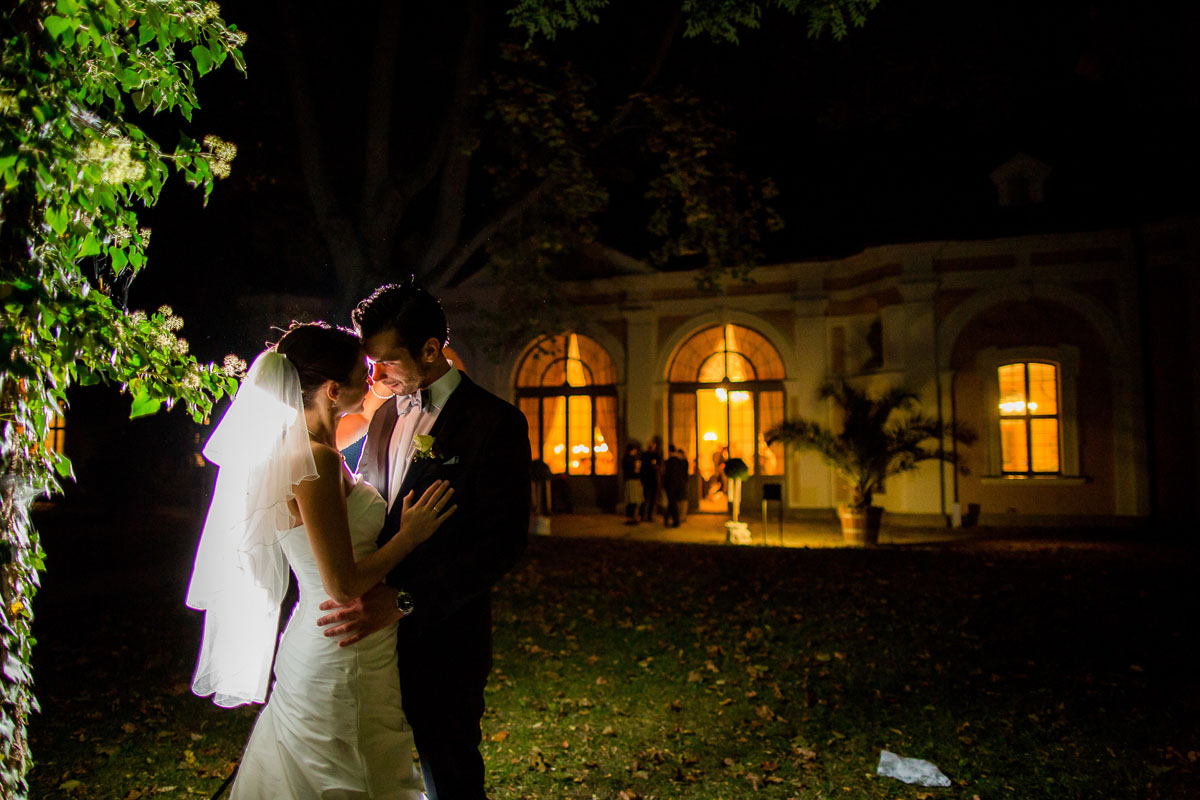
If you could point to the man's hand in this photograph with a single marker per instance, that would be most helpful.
(362, 616)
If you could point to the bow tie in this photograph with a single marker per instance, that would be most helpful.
(422, 399)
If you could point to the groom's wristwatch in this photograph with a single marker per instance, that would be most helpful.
(404, 602)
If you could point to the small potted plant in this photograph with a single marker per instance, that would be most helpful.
(736, 471)
(880, 436)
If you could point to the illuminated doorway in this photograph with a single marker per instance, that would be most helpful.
(726, 388)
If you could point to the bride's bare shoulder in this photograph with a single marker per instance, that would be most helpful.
(327, 459)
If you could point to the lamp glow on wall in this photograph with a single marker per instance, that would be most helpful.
(732, 397)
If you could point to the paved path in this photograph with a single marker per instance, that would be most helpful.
(710, 529)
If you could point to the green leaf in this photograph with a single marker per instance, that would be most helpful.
(130, 79)
(57, 219)
(55, 26)
(143, 404)
(62, 465)
(204, 59)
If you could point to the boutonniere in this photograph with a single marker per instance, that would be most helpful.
(424, 446)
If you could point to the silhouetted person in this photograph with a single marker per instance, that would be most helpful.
(675, 475)
(649, 474)
(631, 486)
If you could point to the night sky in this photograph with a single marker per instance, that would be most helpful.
(886, 136)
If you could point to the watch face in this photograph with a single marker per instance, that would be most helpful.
(404, 603)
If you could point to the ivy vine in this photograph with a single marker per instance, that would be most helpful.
(75, 169)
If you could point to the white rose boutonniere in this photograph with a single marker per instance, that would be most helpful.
(424, 447)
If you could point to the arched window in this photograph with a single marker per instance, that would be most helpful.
(726, 385)
(567, 389)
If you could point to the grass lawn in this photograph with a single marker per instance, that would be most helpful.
(658, 671)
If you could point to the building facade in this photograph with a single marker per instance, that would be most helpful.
(1046, 346)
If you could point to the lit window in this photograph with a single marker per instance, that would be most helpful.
(1029, 418)
(56, 433)
(566, 386)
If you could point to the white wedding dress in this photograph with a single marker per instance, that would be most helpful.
(333, 728)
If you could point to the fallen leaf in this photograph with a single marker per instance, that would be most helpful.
(498, 736)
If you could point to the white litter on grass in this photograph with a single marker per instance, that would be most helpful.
(910, 770)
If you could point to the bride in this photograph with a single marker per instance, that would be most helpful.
(333, 727)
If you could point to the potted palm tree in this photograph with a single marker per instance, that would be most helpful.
(880, 436)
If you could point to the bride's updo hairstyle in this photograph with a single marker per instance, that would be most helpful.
(320, 352)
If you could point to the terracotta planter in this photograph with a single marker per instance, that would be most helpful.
(860, 526)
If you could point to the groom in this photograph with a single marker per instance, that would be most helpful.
(440, 591)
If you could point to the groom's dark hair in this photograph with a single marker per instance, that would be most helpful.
(413, 313)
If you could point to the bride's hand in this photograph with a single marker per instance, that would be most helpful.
(420, 518)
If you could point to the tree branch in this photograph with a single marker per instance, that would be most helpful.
(379, 106)
(454, 260)
(670, 33)
(664, 47)
(457, 257)
(624, 263)
(344, 246)
(456, 170)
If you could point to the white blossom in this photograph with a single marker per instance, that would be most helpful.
(233, 366)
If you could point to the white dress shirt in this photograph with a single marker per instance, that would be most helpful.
(412, 422)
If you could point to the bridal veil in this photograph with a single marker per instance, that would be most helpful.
(240, 575)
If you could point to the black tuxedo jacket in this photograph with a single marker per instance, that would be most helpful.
(482, 447)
